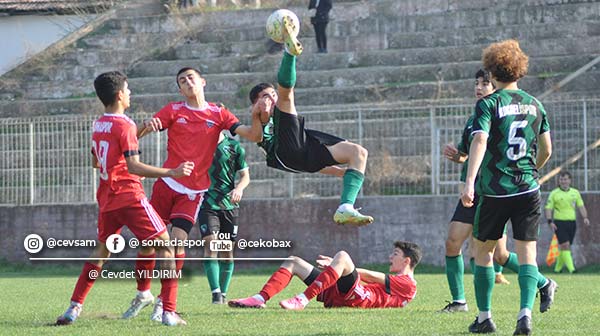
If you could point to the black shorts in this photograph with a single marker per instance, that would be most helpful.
(565, 231)
(493, 212)
(222, 221)
(299, 149)
(344, 284)
(463, 214)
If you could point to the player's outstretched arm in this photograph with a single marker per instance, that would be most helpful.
(371, 276)
(252, 133)
(544, 149)
(476, 153)
(134, 166)
(149, 126)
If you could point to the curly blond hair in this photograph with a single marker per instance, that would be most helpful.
(505, 60)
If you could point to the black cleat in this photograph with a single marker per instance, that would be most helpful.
(454, 307)
(217, 298)
(523, 326)
(547, 295)
(485, 327)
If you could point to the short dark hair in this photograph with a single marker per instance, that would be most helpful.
(565, 173)
(108, 85)
(184, 69)
(411, 250)
(483, 74)
(257, 89)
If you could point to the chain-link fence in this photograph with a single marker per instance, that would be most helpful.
(48, 160)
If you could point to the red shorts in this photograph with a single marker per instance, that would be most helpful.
(170, 204)
(140, 218)
(331, 297)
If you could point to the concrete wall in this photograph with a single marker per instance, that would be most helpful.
(306, 222)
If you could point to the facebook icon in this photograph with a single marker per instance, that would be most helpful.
(115, 243)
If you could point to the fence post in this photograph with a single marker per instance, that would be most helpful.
(585, 148)
(291, 184)
(31, 164)
(432, 151)
(157, 152)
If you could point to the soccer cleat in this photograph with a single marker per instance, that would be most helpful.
(70, 315)
(157, 312)
(137, 304)
(292, 45)
(547, 295)
(523, 326)
(485, 327)
(455, 307)
(172, 319)
(218, 298)
(351, 217)
(501, 280)
(294, 303)
(249, 302)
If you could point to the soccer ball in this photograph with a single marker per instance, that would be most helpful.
(275, 24)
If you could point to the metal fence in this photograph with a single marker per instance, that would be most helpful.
(47, 159)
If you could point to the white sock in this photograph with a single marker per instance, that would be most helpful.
(524, 312)
(144, 294)
(346, 207)
(484, 315)
(73, 303)
(259, 298)
(460, 301)
(218, 290)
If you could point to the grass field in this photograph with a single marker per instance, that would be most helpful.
(33, 298)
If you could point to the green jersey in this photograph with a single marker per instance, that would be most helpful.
(513, 119)
(229, 158)
(564, 203)
(464, 145)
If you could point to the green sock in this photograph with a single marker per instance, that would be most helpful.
(472, 265)
(455, 270)
(541, 279)
(226, 274)
(353, 180)
(286, 77)
(512, 263)
(498, 268)
(484, 284)
(559, 263)
(568, 260)
(211, 268)
(528, 278)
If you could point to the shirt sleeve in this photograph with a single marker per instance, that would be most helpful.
(129, 141)
(482, 120)
(165, 115)
(228, 120)
(400, 285)
(240, 163)
(579, 200)
(550, 202)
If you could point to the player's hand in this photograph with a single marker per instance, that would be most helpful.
(323, 261)
(553, 227)
(153, 125)
(452, 153)
(467, 196)
(586, 222)
(236, 195)
(184, 169)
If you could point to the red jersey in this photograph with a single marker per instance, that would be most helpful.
(193, 136)
(114, 138)
(398, 291)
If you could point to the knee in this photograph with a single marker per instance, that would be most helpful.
(343, 256)
(453, 246)
(361, 152)
(564, 246)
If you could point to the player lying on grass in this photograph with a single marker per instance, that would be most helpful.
(341, 284)
(290, 147)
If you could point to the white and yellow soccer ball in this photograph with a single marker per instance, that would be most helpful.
(275, 24)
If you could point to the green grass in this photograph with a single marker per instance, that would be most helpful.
(32, 298)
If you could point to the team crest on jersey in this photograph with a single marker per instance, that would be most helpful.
(210, 123)
(181, 120)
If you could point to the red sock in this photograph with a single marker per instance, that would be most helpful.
(168, 291)
(277, 282)
(85, 282)
(326, 279)
(145, 267)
